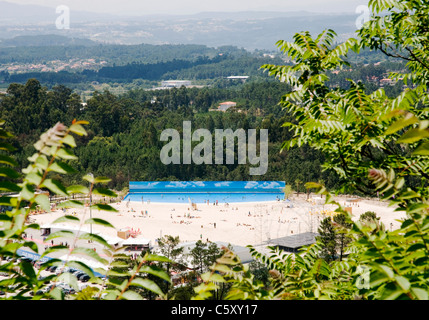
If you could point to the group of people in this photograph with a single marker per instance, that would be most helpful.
(214, 202)
(185, 215)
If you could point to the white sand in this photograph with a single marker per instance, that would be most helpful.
(268, 220)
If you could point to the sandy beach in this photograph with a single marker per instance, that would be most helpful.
(237, 223)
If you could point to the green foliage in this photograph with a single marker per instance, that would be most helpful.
(288, 191)
(328, 239)
(400, 34)
(23, 282)
(123, 139)
(200, 68)
(203, 255)
(374, 143)
(228, 272)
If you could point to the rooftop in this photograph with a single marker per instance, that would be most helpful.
(295, 241)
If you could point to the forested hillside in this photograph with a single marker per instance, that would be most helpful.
(201, 68)
(123, 141)
(124, 133)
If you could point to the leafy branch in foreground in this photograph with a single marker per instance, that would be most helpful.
(375, 144)
(54, 156)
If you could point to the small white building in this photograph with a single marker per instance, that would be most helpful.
(238, 78)
(136, 244)
(175, 83)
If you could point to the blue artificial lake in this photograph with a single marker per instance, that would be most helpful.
(203, 191)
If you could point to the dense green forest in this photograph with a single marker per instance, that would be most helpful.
(124, 133)
(123, 64)
(113, 54)
(123, 136)
(200, 68)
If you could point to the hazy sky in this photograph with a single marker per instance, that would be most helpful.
(142, 7)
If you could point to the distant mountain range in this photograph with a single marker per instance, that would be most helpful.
(249, 29)
(45, 40)
(12, 14)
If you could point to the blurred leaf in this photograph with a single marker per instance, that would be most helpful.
(391, 292)
(60, 234)
(204, 287)
(9, 186)
(213, 277)
(413, 135)
(57, 294)
(158, 272)
(8, 173)
(61, 167)
(90, 253)
(111, 294)
(55, 187)
(120, 273)
(313, 185)
(80, 122)
(80, 266)
(399, 183)
(71, 204)
(221, 268)
(66, 154)
(100, 222)
(228, 260)
(78, 129)
(89, 178)
(66, 218)
(103, 207)
(104, 192)
(422, 150)
(51, 262)
(43, 201)
(147, 284)
(102, 180)
(387, 270)
(119, 264)
(421, 294)
(403, 282)
(27, 269)
(41, 161)
(27, 192)
(7, 147)
(69, 139)
(8, 160)
(401, 124)
(131, 295)
(34, 178)
(417, 207)
(409, 194)
(77, 189)
(153, 257)
(94, 238)
(69, 279)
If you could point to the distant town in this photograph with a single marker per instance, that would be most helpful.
(54, 66)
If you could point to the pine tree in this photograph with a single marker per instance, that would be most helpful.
(328, 239)
(342, 226)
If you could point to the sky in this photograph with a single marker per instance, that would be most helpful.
(143, 7)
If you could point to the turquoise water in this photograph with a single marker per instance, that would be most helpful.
(203, 191)
(203, 197)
